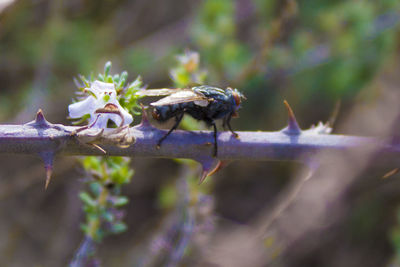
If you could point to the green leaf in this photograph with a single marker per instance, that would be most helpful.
(83, 119)
(120, 201)
(87, 199)
(116, 78)
(136, 84)
(107, 68)
(84, 228)
(95, 188)
(118, 228)
(123, 78)
(108, 216)
(109, 79)
(92, 163)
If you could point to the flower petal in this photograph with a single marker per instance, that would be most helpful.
(127, 117)
(101, 122)
(98, 86)
(81, 108)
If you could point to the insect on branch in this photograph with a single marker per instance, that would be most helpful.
(47, 140)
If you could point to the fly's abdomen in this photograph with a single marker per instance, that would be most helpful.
(164, 113)
(197, 112)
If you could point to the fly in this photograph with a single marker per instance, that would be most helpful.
(204, 103)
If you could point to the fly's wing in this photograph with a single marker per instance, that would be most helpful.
(183, 96)
(158, 92)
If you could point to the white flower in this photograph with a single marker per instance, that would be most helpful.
(102, 105)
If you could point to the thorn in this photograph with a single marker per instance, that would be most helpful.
(390, 173)
(334, 114)
(210, 166)
(293, 127)
(98, 147)
(220, 165)
(49, 171)
(145, 121)
(40, 119)
(203, 176)
(47, 158)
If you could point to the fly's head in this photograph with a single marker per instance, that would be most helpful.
(161, 113)
(237, 97)
(156, 115)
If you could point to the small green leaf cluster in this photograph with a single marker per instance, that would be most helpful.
(215, 35)
(187, 72)
(109, 170)
(102, 201)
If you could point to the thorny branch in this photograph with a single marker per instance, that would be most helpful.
(47, 140)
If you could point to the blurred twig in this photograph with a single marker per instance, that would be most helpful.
(84, 254)
(173, 238)
(318, 55)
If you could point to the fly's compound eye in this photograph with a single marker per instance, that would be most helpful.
(236, 96)
(155, 115)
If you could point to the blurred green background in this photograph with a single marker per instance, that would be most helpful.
(312, 53)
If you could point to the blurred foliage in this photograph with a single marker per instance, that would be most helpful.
(101, 203)
(312, 54)
(214, 32)
(187, 72)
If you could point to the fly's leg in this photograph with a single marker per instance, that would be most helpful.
(178, 119)
(228, 122)
(215, 153)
